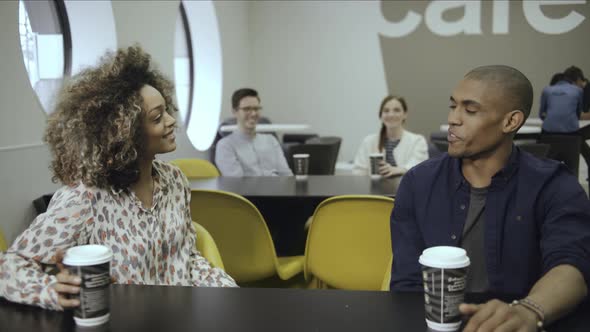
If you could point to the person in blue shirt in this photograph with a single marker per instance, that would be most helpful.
(563, 105)
(524, 222)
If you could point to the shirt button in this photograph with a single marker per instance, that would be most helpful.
(453, 236)
(462, 206)
(519, 218)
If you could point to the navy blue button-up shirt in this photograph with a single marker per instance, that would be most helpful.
(537, 217)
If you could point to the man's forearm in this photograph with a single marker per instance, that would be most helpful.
(585, 116)
(559, 291)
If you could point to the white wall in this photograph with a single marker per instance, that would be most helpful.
(319, 63)
(24, 160)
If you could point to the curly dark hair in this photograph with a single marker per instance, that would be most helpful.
(96, 133)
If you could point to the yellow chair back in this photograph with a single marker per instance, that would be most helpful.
(349, 242)
(196, 168)
(387, 277)
(240, 232)
(3, 245)
(207, 247)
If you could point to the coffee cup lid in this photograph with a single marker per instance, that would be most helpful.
(444, 257)
(85, 255)
(301, 155)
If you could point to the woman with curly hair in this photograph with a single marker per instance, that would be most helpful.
(109, 123)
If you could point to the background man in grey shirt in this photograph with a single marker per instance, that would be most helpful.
(244, 152)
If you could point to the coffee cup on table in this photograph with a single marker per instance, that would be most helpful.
(444, 273)
(375, 160)
(92, 263)
(301, 165)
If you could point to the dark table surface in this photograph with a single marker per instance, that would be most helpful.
(165, 308)
(314, 186)
(286, 203)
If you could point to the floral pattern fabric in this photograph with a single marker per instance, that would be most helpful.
(153, 246)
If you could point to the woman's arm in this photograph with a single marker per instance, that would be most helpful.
(22, 277)
(418, 153)
(361, 159)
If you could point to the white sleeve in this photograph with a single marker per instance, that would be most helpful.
(418, 153)
(361, 160)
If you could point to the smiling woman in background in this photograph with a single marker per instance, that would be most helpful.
(402, 148)
(109, 123)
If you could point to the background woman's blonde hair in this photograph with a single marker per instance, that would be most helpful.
(95, 133)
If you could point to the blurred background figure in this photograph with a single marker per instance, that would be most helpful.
(245, 152)
(402, 148)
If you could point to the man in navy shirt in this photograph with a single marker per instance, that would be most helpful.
(524, 222)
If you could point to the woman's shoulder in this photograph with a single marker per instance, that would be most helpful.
(166, 169)
(76, 194)
(371, 138)
(170, 173)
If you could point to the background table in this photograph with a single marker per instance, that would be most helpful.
(525, 132)
(274, 127)
(286, 203)
(165, 308)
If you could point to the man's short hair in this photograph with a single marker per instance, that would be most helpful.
(515, 86)
(240, 94)
(573, 74)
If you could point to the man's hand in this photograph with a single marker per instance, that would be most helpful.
(497, 316)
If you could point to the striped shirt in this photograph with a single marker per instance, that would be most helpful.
(390, 145)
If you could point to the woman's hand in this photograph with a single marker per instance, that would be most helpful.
(67, 284)
(386, 170)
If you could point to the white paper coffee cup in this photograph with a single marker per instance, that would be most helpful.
(444, 272)
(374, 161)
(301, 165)
(92, 263)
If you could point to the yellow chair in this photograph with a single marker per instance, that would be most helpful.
(242, 236)
(207, 247)
(349, 243)
(387, 277)
(196, 168)
(3, 245)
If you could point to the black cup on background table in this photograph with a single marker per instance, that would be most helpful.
(92, 263)
(444, 272)
(301, 165)
(375, 160)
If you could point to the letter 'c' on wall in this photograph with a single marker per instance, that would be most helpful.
(552, 26)
(201, 125)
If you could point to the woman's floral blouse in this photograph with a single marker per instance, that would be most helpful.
(150, 246)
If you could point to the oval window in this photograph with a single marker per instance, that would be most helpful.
(45, 44)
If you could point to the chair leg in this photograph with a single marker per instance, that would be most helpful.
(316, 283)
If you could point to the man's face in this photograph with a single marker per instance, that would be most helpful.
(247, 113)
(475, 119)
